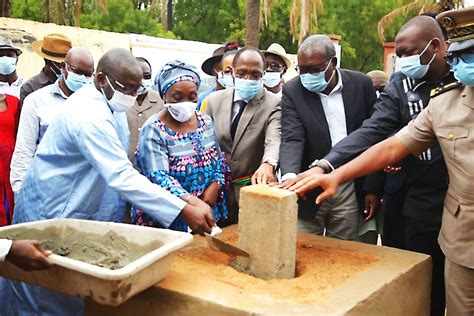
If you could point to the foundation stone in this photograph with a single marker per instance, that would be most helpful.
(267, 231)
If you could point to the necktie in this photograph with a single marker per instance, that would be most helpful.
(235, 122)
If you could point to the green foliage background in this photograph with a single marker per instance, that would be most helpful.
(218, 21)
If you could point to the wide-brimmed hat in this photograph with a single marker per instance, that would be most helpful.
(277, 49)
(53, 47)
(7, 44)
(460, 27)
(217, 56)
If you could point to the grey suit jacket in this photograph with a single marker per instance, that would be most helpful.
(257, 138)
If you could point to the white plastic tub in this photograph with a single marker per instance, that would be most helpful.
(105, 286)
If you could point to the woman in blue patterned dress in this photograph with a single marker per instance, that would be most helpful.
(177, 147)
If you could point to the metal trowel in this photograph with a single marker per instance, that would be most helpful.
(220, 245)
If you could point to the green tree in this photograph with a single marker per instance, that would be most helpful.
(123, 17)
(117, 16)
(208, 21)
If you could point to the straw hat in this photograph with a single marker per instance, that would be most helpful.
(277, 49)
(53, 47)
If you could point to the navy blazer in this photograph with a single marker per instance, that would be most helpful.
(305, 132)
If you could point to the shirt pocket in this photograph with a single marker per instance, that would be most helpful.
(454, 142)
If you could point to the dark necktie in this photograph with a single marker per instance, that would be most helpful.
(235, 122)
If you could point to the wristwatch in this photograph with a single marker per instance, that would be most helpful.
(320, 164)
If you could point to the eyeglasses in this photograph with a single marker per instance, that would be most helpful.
(79, 72)
(466, 56)
(314, 69)
(276, 67)
(121, 87)
(251, 76)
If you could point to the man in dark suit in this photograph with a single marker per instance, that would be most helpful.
(319, 108)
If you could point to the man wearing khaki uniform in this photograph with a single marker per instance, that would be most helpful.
(449, 118)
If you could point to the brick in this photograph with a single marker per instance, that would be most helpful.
(267, 231)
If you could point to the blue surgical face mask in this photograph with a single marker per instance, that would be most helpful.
(464, 69)
(7, 65)
(412, 67)
(247, 89)
(316, 82)
(74, 81)
(272, 79)
(220, 78)
(228, 81)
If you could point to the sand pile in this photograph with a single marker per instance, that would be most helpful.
(109, 251)
(318, 268)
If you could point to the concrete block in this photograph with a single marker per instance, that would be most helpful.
(334, 277)
(267, 231)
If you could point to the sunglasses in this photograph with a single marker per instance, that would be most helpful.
(466, 56)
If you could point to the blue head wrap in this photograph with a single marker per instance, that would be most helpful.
(173, 72)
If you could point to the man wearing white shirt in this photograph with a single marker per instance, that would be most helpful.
(319, 108)
(10, 83)
(40, 108)
(81, 170)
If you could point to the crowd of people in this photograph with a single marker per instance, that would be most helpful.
(112, 143)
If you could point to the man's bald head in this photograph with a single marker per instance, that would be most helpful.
(80, 60)
(424, 26)
(121, 69)
(119, 63)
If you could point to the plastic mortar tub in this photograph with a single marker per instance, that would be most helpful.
(103, 285)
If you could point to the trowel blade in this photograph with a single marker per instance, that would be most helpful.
(225, 247)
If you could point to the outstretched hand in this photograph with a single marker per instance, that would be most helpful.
(328, 182)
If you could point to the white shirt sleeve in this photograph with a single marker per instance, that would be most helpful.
(288, 176)
(26, 139)
(5, 245)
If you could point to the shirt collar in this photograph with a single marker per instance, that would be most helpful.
(18, 82)
(57, 90)
(338, 86)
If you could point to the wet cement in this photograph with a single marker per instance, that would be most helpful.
(109, 250)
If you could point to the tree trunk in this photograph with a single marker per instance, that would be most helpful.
(253, 23)
(169, 15)
(5, 7)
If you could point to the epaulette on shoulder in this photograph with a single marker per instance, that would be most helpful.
(440, 90)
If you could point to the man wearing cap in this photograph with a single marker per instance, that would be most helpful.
(41, 107)
(213, 67)
(449, 120)
(81, 170)
(53, 48)
(10, 83)
(277, 65)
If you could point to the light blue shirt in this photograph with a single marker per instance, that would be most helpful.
(81, 169)
(38, 111)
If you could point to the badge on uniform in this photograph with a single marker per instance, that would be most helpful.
(413, 96)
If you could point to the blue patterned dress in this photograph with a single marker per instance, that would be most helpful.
(182, 163)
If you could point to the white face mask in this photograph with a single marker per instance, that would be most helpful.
(120, 102)
(181, 111)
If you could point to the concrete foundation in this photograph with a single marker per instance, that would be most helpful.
(333, 277)
(267, 231)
